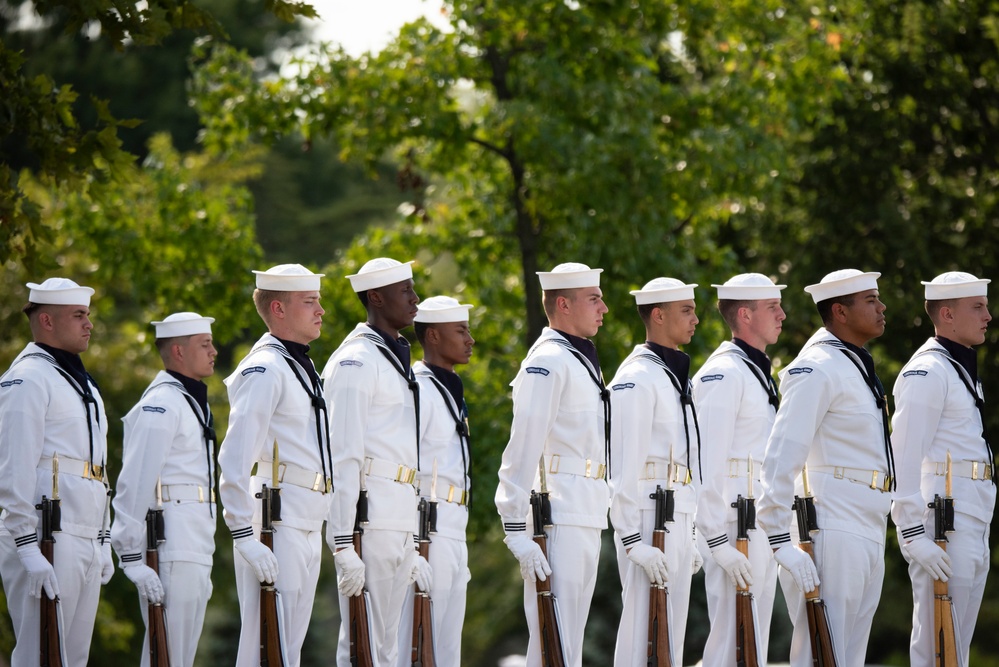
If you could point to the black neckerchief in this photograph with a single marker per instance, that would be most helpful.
(677, 366)
(448, 382)
(197, 397)
(70, 366)
(398, 345)
(962, 357)
(314, 389)
(582, 348)
(873, 382)
(585, 346)
(762, 361)
(966, 356)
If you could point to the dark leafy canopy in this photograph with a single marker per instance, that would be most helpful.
(42, 127)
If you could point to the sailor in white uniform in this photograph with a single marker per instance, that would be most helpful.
(655, 442)
(276, 397)
(736, 399)
(373, 400)
(443, 331)
(51, 409)
(169, 464)
(561, 420)
(939, 410)
(834, 418)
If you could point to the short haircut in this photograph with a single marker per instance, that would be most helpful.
(163, 345)
(550, 297)
(645, 310)
(363, 296)
(421, 332)
(825, 306)
(933, 308)
(262, 299)
(30, 308)
(729, 309)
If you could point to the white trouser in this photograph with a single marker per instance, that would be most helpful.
(298, 553)
(449, 561)
(187, 587)
(633, 633)
(78, 570)
(851, 571)
(574, 553)
(719, 650)
(386, 555)
(968, 548)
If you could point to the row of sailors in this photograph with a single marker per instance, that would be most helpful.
(373, 422)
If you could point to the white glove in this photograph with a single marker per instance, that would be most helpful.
(261, 559)
(41, 574)
(799, 565)
(735, 565)
(349, 572)
(698, 561)
(652, 560)
(533, 564)
(107, 563)
(421, 572)
(930, 557)
(146, 580)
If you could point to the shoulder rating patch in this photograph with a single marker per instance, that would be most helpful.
(908, 373)
(253, 369)
(351, 362)
(11, 383)
(712, 378)
(623, 385)
(153, 408)
(799, 371)
(537, 370)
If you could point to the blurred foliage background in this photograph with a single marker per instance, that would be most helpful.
(160, 155)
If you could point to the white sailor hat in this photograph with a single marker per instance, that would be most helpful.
(59, 292)
(183, 324)
(288, 278)
(663, 290)
(843, 282)
(954, 285)
(380, 272)
(749, 287)
(570, 275)
(439, 309)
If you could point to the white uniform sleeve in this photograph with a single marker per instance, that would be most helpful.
(23, 403)
(149, 435)
(806, 397)
(717, 402)
(537, 391)
(253, 399)
(919, 401)
(349, 392)
(633, 410)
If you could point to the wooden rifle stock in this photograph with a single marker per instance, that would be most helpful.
(159, 652)
(660, 651)
(271, 651)
(360, 637)
(819, 634)
(747, 653)
(423, 626)
(50, 654)
(552, 653)
(944, 632)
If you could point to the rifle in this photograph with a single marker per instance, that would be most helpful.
(944, 624)
(271, 645)
(552, 654)
(823, 654)
(660, 653)
(159, 652)
(360, 628)
(747, 653)
(51, 649)
(423, 619)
